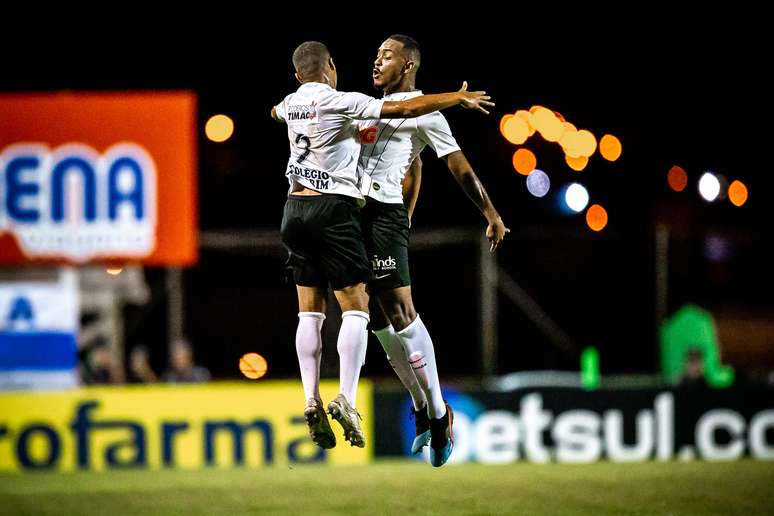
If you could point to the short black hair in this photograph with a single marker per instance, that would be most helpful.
(310, 58)
(410, 47)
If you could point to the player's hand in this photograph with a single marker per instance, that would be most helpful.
(474, 99)
(495, 232)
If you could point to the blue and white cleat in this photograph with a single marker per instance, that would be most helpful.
(442, 438)
(422, 424)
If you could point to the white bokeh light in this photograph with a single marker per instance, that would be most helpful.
(576, 197)
(709, 186)
(538, 183)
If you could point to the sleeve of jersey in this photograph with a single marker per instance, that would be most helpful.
(356, 105)
(434, 130)
(280, 110)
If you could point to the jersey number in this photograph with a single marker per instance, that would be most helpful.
(307, 150)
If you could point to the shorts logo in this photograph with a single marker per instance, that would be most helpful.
(368, 135)
(387, 264)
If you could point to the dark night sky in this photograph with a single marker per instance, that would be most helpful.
(675, 90)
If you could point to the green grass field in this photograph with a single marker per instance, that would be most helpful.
(745, 488)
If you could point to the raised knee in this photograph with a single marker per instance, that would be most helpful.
(402, 317)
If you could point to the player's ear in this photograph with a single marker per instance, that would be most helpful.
(330, 63)
(408, 66)
(298, 78)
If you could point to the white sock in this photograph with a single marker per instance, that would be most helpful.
(419, 347)
(352, 343)
(309, 349)
(398, 358)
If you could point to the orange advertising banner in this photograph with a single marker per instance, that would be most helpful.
(98, 177)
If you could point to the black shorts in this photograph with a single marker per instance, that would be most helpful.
(323, 236)
(386, 233)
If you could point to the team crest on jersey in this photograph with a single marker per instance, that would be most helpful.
(302, 112)
(368, 135)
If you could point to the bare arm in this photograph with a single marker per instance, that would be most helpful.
(470, 184)
(411, 185)
(275, 116)
(425, 104)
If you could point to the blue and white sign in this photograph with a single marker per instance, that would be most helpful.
(72, 202)
(38, 334)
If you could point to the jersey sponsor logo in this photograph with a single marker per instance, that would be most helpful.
(368, 135)
(384, 264)
(319, 179)
(302, 111)
(376, 186)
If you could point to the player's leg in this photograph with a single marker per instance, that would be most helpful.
(353, 337)
(352, 344)
(311, 288)
(343, 257)
(386, 239)
(311, 314)
(397, 357)
(399, 307)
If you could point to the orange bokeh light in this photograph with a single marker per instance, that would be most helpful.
(677, 178)
(737, 193)
(524, 161)
(576, 164)
(610, 147)
(596, 217)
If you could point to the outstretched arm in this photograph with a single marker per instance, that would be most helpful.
(411, 185)
(468, 181)
(425, 104)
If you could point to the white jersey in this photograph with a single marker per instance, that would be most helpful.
(389, 146)
(324, 144)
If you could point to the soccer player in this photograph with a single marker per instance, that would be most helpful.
(321, 222)
(389, 147)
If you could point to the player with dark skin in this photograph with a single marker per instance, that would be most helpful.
(336, 258)
(395, 71)
(312, 299)
(391, 188)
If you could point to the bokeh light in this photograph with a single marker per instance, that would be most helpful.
(547, 124)
(538, 183)
(677, 178)
(709, 186)
(737, 193)
(219, 128)
(527, 117)
(596, 217)
(586, 143)
(503, 120)
(524, 161)
(577, 164)
(576, 197)
(516, 130)
(610, 147)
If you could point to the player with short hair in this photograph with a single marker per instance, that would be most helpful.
(390, 148)
(321, 226)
